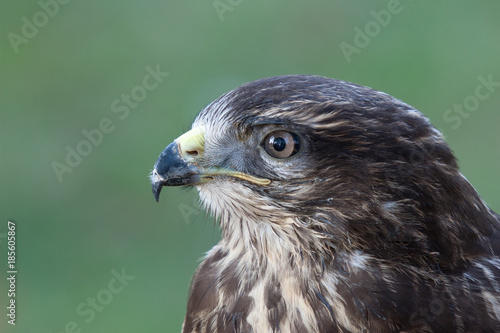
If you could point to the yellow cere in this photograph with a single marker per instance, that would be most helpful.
(192, 141)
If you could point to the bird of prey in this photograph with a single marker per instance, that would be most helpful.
(342, 209)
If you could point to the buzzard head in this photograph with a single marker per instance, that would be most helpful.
(319, 165)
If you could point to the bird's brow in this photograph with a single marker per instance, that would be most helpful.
(263, 121)
(247, 125)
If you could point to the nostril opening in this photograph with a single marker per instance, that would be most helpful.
(192, 153)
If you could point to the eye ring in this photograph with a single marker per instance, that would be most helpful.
(281, 144)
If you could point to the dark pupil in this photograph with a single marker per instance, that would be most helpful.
(279, 144)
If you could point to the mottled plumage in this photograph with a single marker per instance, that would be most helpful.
(365, 225)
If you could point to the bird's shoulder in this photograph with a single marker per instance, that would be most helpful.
(215, 304)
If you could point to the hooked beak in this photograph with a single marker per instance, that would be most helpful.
(178, 164)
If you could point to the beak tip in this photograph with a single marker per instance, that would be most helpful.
(157, 186)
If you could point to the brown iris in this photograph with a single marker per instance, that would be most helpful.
(281, 144)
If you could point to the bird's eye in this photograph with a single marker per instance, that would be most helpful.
(281, 144)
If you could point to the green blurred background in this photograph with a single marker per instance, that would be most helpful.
(101, 217)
